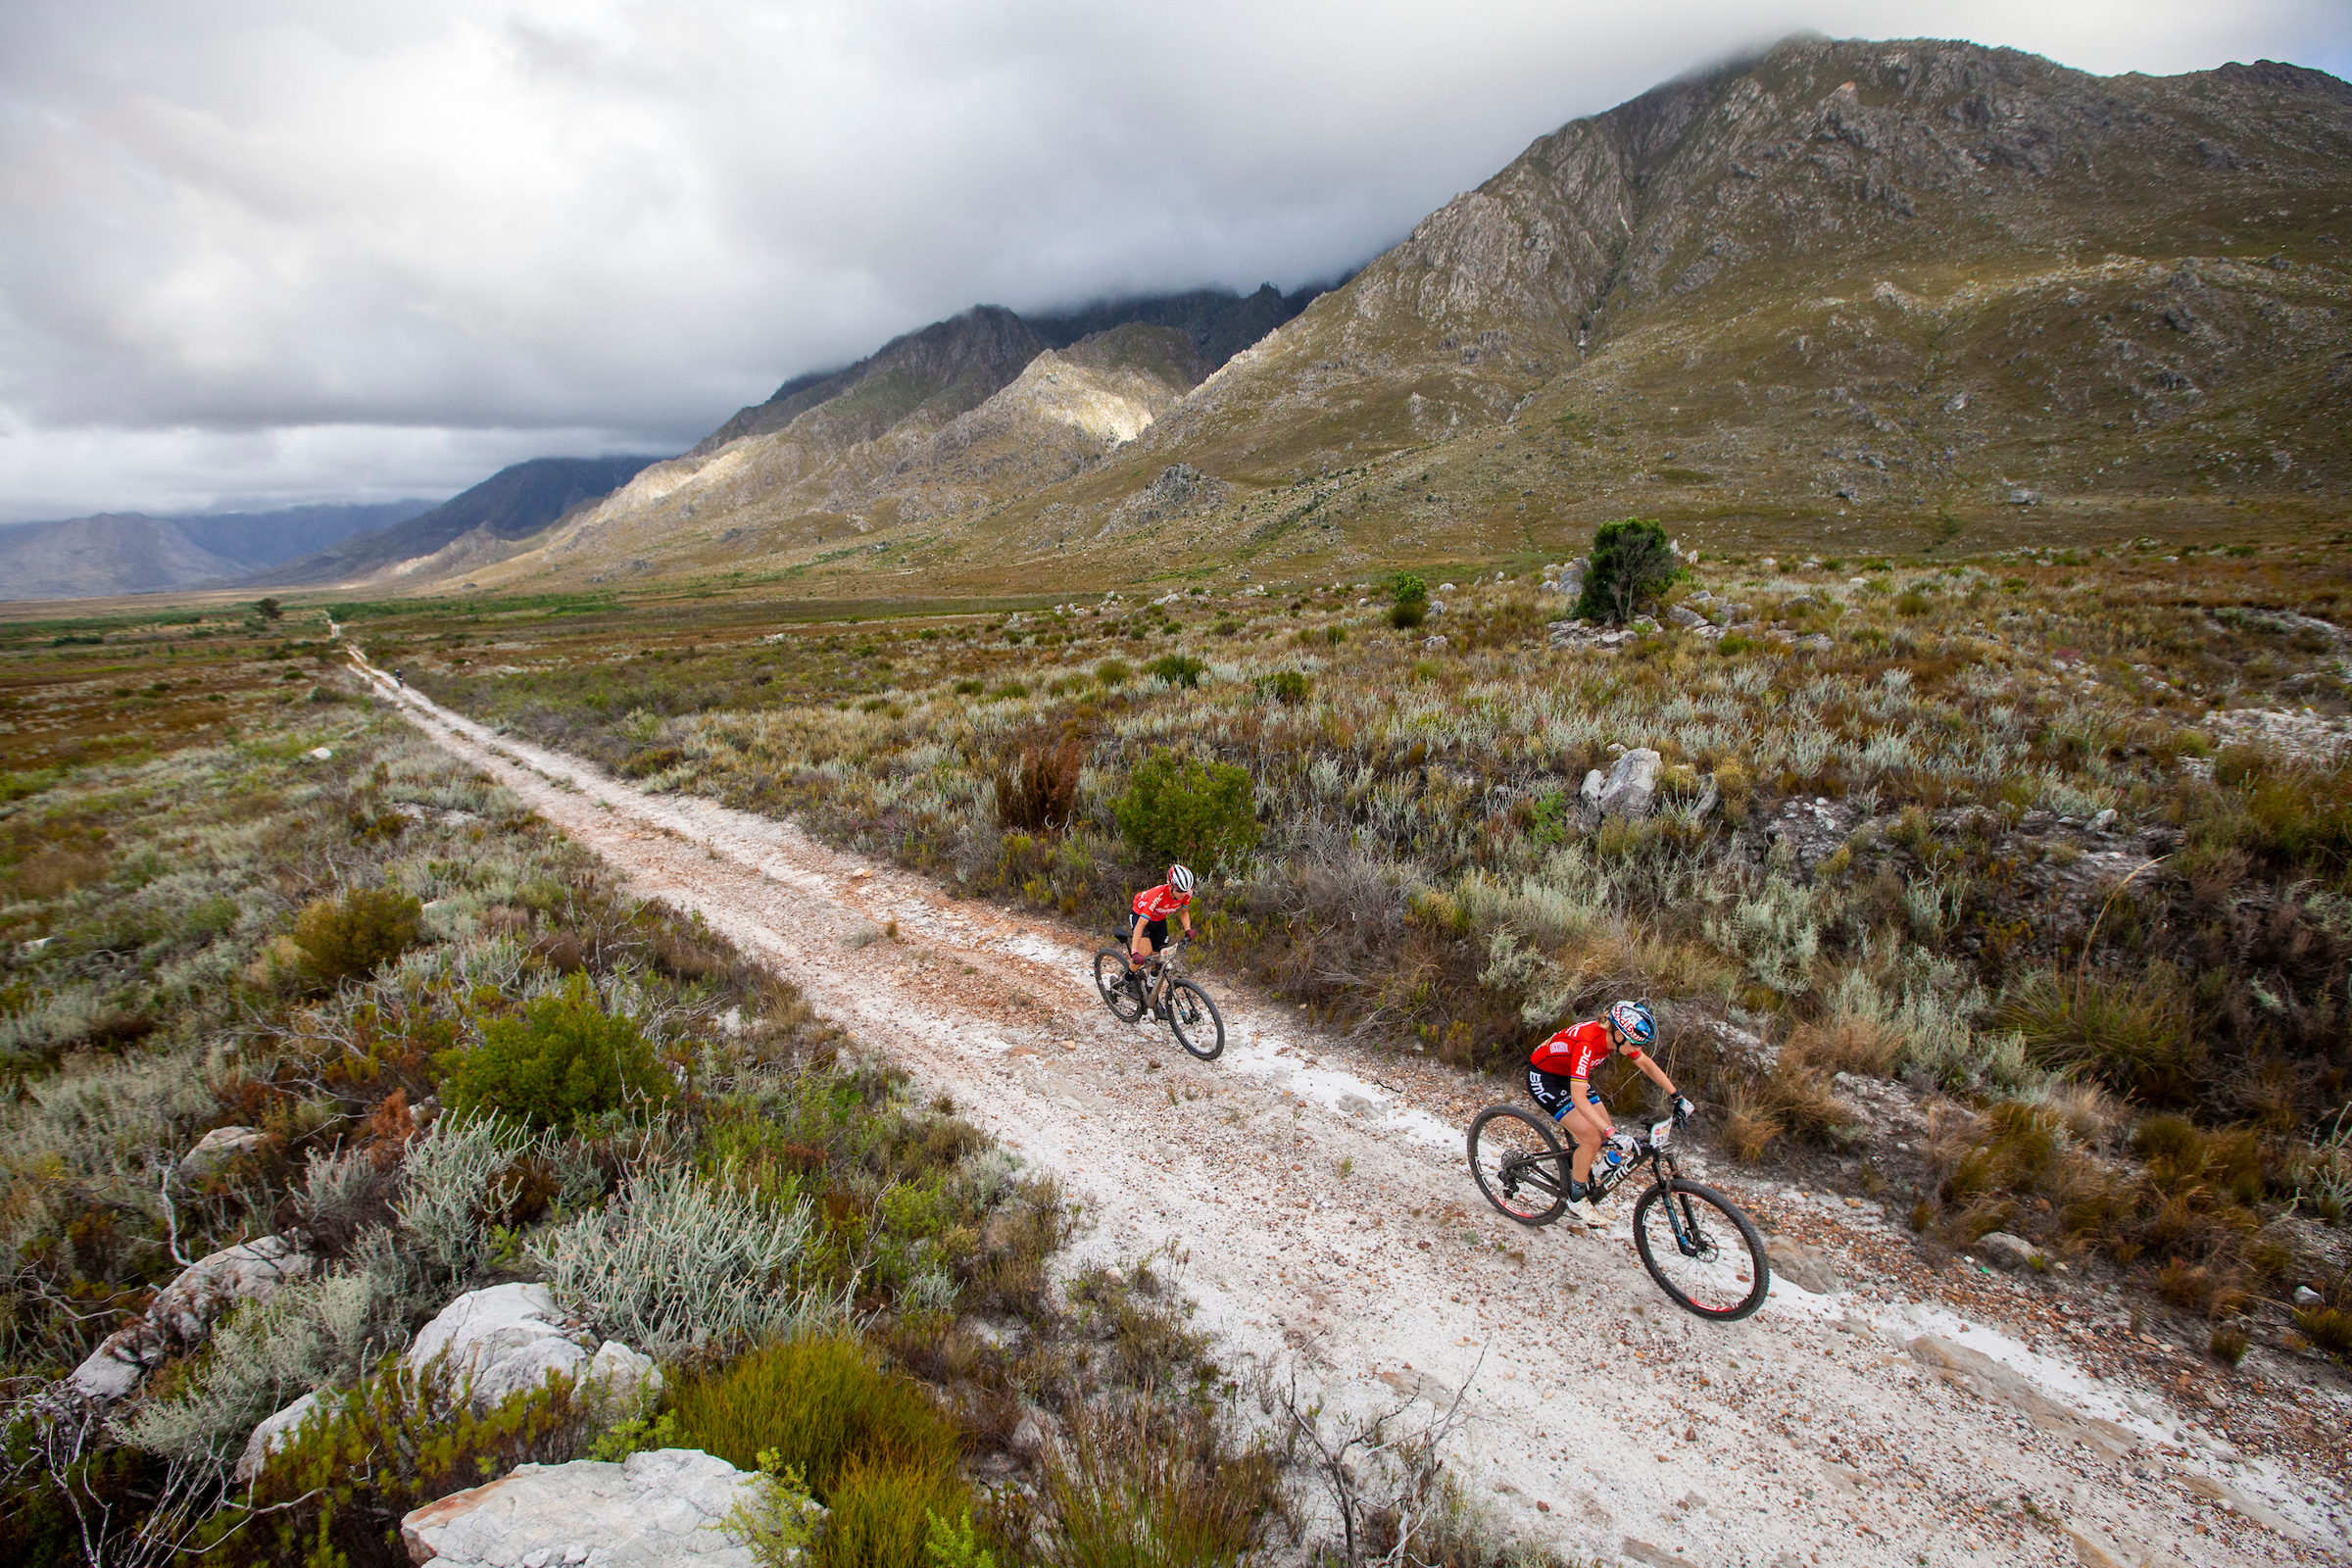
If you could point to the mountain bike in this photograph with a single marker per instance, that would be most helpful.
(1164, 988)
(1703, 1252)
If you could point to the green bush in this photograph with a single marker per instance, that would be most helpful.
(1112, 672)
(881, 1514)
(350, 936)
(1289, 687)
(1631, 561)
(565, 1057)
(1178, 669)
(818, 1405)
(1178, 808)
(1408, 600)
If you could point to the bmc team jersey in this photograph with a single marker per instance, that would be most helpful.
(1575, 1051)
(1157, 903)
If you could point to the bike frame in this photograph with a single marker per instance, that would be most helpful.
(1651, 1151)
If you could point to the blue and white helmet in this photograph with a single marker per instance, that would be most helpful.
(1631, 1023)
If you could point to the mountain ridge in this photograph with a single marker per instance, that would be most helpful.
(1906, 292)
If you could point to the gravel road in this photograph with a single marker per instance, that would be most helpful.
(1317, 1200)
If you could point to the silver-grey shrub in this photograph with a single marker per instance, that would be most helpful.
(677, 1266)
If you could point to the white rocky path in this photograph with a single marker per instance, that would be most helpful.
(1844, 1429)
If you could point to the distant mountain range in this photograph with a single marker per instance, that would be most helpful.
(479, 524)
(301, 547)
(130, 552)
(1899, 293)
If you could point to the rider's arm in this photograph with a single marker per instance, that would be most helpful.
(1656, 1073)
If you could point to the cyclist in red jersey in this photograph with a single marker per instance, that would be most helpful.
(1560, 1076)
(1153, 906)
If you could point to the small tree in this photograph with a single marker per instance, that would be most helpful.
(340, 938)
(565, 1057)
(270, 609)
(1177, 808)
(1411, 605)
(1631, 562)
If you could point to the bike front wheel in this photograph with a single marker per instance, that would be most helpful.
(1702, 1249)
(1518, 1164)
(1194, 1017)
(1111, 979)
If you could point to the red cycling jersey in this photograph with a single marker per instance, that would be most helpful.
(1157, 903)
(1576, 1051)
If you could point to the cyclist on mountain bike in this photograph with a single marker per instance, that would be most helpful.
(1150, 928)
(1153, 906)
(1560, 1076)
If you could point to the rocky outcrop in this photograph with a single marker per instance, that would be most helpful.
(182, 1315)
(217, 1150)
(649, 1511)
(1806, 1267)
(1631, 787)
(1999, 1384)
(511, 1337)
(497, 1342)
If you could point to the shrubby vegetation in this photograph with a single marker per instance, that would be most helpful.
(1421, 871)
(470, 1060)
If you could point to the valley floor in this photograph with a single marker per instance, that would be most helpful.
(1317, 1198)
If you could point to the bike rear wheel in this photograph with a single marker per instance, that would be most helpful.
(1518, 1164)
(1110, 979)
(1194, 1017)
(1702, 1249)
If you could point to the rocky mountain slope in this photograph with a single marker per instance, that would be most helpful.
(476, 526)
(132, 553)
(1903, 293)
(963, 415)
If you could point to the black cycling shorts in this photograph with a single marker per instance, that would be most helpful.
(1156, 932)
(1556, 1091)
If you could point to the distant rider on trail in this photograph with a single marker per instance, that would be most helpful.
(1560, 1076)
(1152, 908)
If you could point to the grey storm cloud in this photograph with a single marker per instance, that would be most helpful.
(286, 250)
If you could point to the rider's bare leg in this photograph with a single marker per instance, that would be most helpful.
(1584, 1123)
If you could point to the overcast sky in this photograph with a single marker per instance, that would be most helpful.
(260, 251)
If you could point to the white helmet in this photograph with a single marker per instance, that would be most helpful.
(1180, 878)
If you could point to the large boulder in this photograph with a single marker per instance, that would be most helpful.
(1633, 784)
(182, 1315)
(655, 1508)
(205, 1290)
(511, 1337)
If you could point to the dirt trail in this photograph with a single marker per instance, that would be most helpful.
(1601, 1418)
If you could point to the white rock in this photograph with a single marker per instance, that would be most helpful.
(656, 1508)
(2104, 822)
(320, 754)
(182, 1313)
(1632, 785)
(2305, 1296)
(216, 1149)
(119, 1362)
(272, 1435)
(1434, 643)
(251, 1271)
(511, 1337)
(1590, 788)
